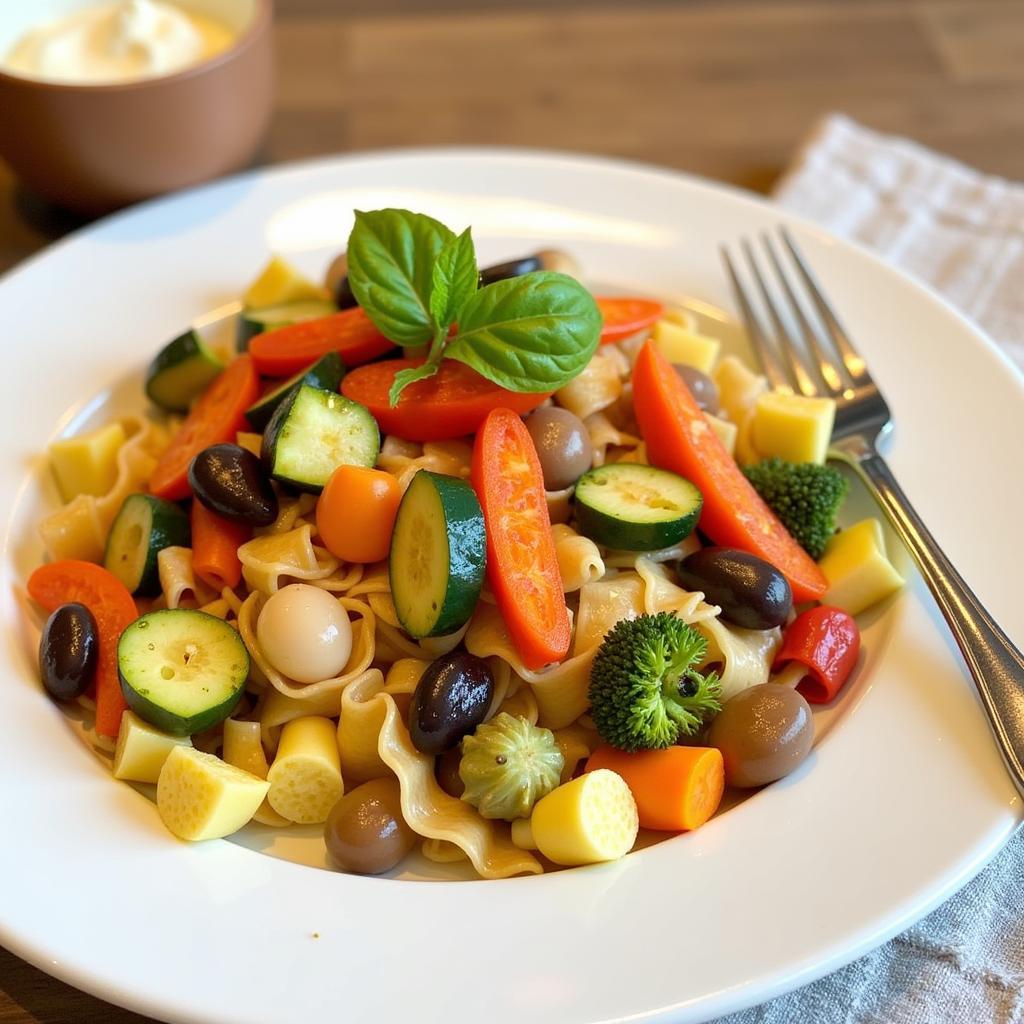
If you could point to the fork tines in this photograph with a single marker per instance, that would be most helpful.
(805, 349)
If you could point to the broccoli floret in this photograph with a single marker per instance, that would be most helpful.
(805, 496)
(645, 691)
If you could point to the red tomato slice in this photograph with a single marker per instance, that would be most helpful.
(624, 317)
(113, 609)
(452, 403)
(287, 350)
(734, 515)
(216, 417)
(522, 567)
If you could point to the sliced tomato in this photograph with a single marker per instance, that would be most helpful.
(624, 317)
(294, 347)
(452, 403)
(522, 566)
(679, 438)
(113, 609)
(216, 417)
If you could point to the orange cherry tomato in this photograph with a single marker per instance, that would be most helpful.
(624, 317)
(355, 513)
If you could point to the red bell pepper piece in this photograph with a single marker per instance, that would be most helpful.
(826, 641)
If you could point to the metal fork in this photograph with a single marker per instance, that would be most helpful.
(796, 356)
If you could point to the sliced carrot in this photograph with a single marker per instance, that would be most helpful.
(215, 544)
(522, 567)
(113, 609)
(624, 317)
(676, 789)
(216, 417)
(679, 438)
(452, 403)
(287, 350)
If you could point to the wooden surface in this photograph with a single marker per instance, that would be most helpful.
(722, 88)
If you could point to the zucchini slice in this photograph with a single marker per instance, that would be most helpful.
(182, 671)
(144, 526)
(632, 507)
(313, 432)
(325, 373)
(255, 321)
(438, 555)
(181, 372)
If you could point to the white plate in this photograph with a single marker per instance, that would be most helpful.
(901, 803)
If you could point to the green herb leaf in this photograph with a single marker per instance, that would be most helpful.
(409, 376)
(530, 333)
(391, 255)
(455, 279)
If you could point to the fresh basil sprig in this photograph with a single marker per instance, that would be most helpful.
(415, 278)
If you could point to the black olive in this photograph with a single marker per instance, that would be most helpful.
(450, 701)
(702, 387)
(750, 592)
(67, 651)
(232, 482)
(511, 268)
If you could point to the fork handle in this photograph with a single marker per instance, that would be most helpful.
(996, 665)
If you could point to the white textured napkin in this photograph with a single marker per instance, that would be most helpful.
(963, 233)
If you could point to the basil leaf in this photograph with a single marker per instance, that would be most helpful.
(455, 279)
(409, 376)
(530, 333)
(391, 256)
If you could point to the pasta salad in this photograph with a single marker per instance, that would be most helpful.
(469, 561)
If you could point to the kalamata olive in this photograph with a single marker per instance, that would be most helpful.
(702, 387)
(510, 268)
(750, 592)
(763, 733)
(336, 280)
(232, 482)
(67, 651)
(563, 446)
(446, 771)
(450, 701)
(365, 832)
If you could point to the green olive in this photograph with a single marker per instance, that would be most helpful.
(764, 733)
(366, 832)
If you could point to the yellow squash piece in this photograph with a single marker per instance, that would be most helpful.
(200, 797)
(793, 427)
(142, 749)
(726, 431)
(857, 568)
(679, 345)
(280, 282)
(585, 821)
(305, 778)
(87, 464)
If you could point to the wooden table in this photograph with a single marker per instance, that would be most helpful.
(722, 88)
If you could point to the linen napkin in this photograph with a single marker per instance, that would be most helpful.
(963, 233)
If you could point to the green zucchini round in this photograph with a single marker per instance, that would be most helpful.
(144, 526)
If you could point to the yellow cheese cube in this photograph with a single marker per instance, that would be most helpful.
(200, 797)
(87, 464)
(857, 568)
(142, 749)
(793, 427)
(305, 778)
(592, 818)
(738, 387)
(679, 345)
(280, 282)
(725, 430)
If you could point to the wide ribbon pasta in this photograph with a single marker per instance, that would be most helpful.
(275, 559)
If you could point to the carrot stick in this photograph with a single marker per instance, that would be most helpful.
(676, 789)
(215, 543)
(113, 609)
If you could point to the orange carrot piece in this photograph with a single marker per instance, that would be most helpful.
(113, 609)
(676, 789)
(215, 544)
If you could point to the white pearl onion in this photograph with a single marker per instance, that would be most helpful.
(305, 633)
